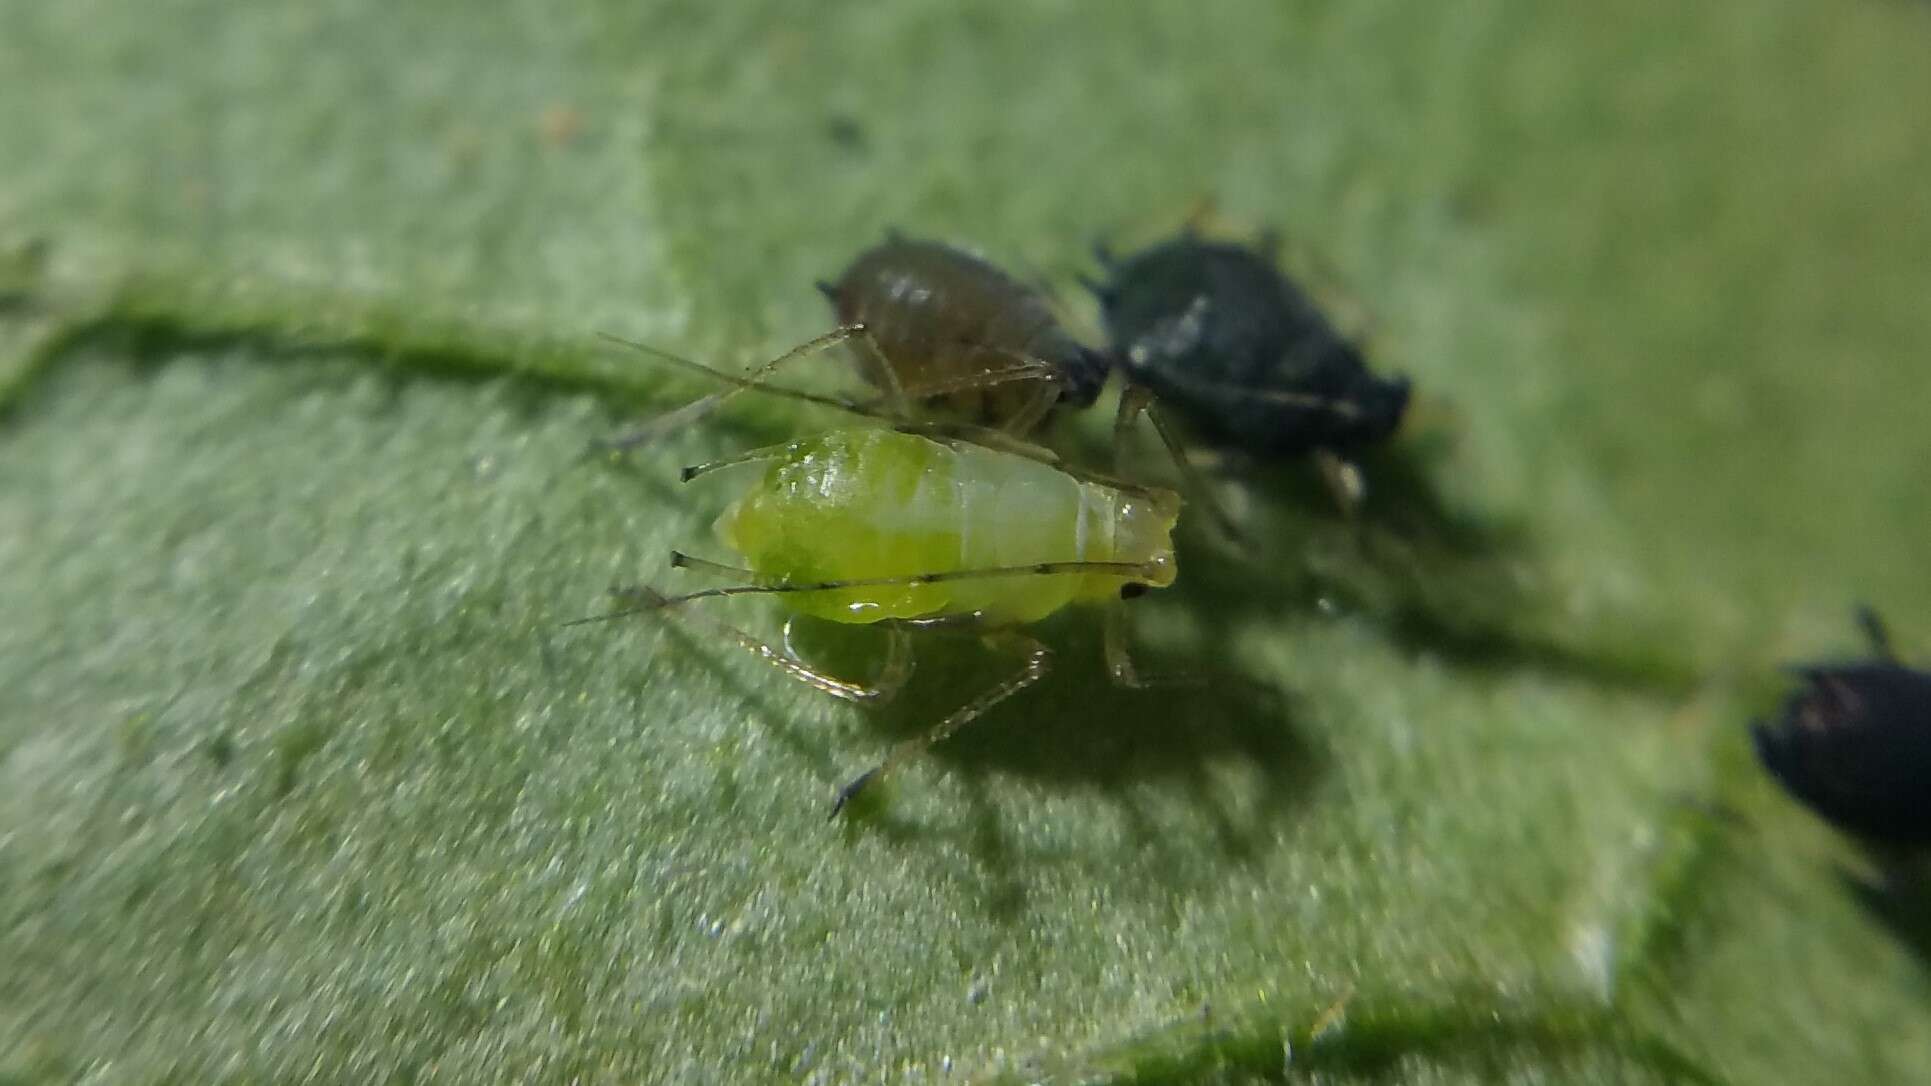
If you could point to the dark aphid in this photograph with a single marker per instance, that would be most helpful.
(1223, 337)
(946, 326)
(1854, 744)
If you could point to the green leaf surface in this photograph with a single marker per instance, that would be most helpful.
(301, 780)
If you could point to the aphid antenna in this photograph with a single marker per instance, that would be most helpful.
(1036, 569)
(768, 452)
(657, 601)
(1195, 485)
(1875, 632)
(751, 381)
(654, 601)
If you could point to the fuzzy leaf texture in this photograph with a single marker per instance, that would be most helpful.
(301, 780)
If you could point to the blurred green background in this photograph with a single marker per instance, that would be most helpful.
(300, 781)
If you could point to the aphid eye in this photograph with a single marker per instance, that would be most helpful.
(1132, 590)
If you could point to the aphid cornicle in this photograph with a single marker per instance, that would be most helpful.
(907, 531)
(1854, 744)
(1225, 339)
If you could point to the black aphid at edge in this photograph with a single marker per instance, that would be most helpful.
(1223, 337)
(1853, 743)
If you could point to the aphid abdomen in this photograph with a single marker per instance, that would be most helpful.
(940, 315)
(1010, 511)
(860, 505)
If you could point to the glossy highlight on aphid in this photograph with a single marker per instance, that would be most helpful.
(1853, 743)
(1225, 339)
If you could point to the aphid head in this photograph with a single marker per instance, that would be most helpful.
(1082, 372)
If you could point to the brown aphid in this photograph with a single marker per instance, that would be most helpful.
(947, 328)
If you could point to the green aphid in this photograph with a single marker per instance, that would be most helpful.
(871, 504)
(921, 527)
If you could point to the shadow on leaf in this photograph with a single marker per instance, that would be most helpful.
(1437, 580)
(1076, 732)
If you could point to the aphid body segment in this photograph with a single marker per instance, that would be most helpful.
(946, 325)
(1221, 336)
(1853, 743)
(872, 505)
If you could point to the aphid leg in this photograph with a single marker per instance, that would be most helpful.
(1343, 480)
(1020, 368)
(1109, 262)
(784, 639)
(680, 560)
(1335, 1015)
(1027, 419)
(678, 418)
(1038, 662)
(1023, 370)
(1138, 399)
(1119, 658)
(891, 677)
(1875, 633)
(875, 364)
